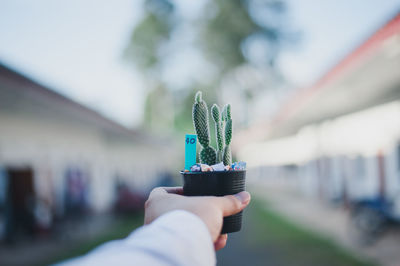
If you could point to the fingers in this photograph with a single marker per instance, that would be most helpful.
(221, 242)
(165, 190)
(233, 204)
(174, 190)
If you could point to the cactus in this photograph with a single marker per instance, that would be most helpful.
(227, 154)
(218, 131)
(208, 154)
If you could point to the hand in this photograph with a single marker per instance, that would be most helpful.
(210, 209)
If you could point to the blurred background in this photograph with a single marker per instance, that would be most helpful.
(96, 98)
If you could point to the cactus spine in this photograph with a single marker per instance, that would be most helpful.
(208, 154)
(227, 154)
(216, 115)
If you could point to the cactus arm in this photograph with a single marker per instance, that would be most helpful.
(227, 156)
(223, 114)
(228, 112)
(215, 113)
(198, 97)
(208, 154)
(218, 131)
(200, 120)
(228, 124)
(220, 137)
(228, 132)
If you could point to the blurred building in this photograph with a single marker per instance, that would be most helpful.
(58, 157)
(339, 139)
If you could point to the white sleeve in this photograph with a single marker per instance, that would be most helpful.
(176, 238)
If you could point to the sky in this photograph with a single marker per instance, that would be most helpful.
(75, 47)
(330, 30)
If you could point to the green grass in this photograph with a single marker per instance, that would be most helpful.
(295, 245)
(120, 229)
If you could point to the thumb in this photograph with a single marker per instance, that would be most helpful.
(233, 204)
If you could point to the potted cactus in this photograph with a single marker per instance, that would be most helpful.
(211, 182)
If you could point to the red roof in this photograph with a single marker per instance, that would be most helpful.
(373, 42)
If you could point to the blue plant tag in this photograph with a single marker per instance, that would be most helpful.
(190, 150)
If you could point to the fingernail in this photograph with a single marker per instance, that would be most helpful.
(243, 196)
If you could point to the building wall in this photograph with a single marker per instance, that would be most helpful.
(50, 145)
(353, 157)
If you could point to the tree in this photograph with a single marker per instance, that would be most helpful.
(227, 32)
(228, 36)
(150, 34)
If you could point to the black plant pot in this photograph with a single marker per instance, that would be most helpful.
(217, 184)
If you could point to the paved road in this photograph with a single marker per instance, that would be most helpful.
(268, 239)
(242, 250)
(331, 223)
